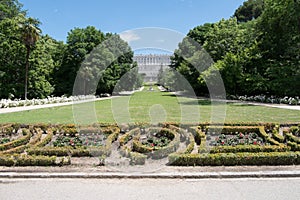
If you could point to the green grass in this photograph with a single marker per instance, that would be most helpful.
(153, 106)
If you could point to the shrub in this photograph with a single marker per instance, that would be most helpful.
(160, 152)
(18, 142)
(232, 129)
(294, 146)
(277, 136)
(128, 136)
(46, 140)
(27, 160)
(191, 145)
(198, 134)
(231, 159)
(249, 148)
(268, 139)
(292, 138)
(137, 158)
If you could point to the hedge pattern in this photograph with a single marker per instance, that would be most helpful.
(38, 149)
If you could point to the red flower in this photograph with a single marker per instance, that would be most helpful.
(255, 143)
(152, 145)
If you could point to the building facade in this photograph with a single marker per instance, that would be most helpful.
(149, 65)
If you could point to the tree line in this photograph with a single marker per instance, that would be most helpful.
(34, 65)
(256, 51)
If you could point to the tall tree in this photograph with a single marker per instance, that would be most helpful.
(280, 38)
(30, 35)
(250, 10)
(10, 9)
(80, 42)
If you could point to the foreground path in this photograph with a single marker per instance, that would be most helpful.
(152, 189)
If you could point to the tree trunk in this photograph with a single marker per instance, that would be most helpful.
(26, 71)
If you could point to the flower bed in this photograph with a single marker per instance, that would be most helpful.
(8, 103)
(268, 99)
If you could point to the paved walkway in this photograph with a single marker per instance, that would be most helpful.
(163, 173)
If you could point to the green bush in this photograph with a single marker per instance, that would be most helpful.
(268, 139)
(292, 138)
(277, 136)
(18, 142)
(157, 153)
(231, 159)
(38, 136)
(191, 145)
(249, 148)
(46, 140)
(232, 129)
(6, 161)
(198, 134)
(27, 160)
(128, 136)
(50, 151)
(294, 146)
(137, 158)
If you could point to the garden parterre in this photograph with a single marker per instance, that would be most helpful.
(184, 145)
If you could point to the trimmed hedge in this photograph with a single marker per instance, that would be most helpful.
(268, 139)
(191, 145)
(46, 140)
(26, 160)
(18, 142)
(38, 136)
(294, 146)
(232, 159)
(233, 129)
(135, 157)
(249, 148)
(198, 134)
(128, 136)
(292, 138)
(160, 152)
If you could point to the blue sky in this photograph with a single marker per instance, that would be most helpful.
(58, 17)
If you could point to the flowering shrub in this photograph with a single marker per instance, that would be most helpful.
(8, 103)
(270, 99)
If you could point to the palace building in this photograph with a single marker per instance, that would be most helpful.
(149, 65)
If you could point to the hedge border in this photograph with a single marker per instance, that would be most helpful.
(27, 160)
(233, 159)
(18, 142)
(161, 152)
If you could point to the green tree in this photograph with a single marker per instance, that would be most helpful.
(30, 35)
(279, 26)
(12, 59)
(10, 9)
(80, 42)
(250, 10)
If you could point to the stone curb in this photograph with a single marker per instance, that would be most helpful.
(197, 175)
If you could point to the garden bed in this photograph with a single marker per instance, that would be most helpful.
(234, 144)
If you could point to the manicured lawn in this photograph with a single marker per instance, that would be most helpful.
(152, 106)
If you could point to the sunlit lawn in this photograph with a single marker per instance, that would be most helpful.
(153, 106)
